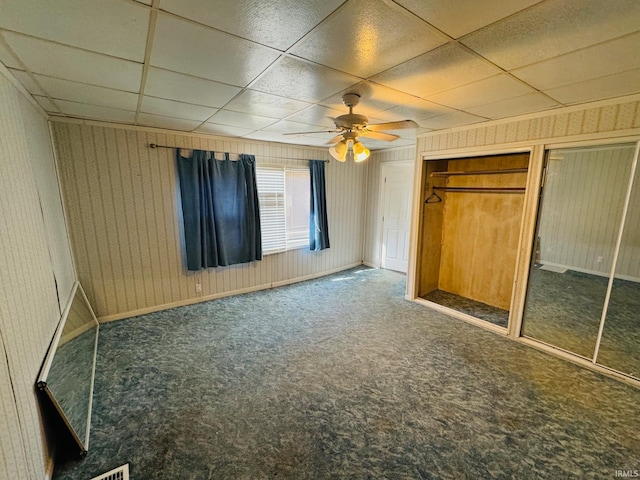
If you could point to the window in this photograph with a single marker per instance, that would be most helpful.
(283, 194)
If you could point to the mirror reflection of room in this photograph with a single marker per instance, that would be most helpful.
(470, 231)
(68, 374)
(578, 243)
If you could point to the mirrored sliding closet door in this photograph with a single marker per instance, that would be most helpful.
(586, 266)
(619, 347)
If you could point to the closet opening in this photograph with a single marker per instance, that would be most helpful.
(468, 238)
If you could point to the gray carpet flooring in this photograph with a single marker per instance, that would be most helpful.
(341, 377)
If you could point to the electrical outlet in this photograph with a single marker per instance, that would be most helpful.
(198, 287)
(600, 258)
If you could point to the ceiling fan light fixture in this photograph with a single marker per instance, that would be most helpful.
(360, 152)
(339, 151)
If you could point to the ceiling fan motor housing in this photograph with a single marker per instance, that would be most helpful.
(351, 121)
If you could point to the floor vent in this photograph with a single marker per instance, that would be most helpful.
(120, 473)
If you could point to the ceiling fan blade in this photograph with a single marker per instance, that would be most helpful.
(392, 125)
(335, 139)
(387, 137)
(317, 131)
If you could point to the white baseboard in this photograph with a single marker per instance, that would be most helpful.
(191, 301)
(370, 265)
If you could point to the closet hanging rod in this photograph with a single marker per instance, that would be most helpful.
(154, 145)
(482, 189)
(480, 172)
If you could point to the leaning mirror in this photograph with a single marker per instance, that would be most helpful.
(68, 370)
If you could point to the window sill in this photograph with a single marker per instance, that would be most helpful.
(273, 252)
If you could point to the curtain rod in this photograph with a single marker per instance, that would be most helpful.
(155, 145)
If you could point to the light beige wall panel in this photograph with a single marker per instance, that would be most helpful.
(13, 457)
(125, 221)
(40, 153)
(32, 255)
(373, 220)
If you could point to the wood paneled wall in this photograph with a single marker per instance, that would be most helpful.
(583, 200)
(373, 225)
(36, 280)
(431, 231)
(125, 224)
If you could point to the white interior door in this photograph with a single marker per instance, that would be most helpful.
(397, 185)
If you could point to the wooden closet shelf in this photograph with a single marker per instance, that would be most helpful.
(481, 189)
(481, 172)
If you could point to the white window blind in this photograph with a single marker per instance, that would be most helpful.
(283, 194)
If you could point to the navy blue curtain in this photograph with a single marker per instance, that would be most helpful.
(220, 209)
(318, 224)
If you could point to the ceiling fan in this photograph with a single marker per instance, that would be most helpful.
(351, 126)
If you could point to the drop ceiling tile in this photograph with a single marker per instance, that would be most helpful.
(274, 137)
(71, 63)
(464, 16)
(170, 123)
(171, 108)
(46, 104)
(317, 115)
(257, 20)
(447, 67)
(95, 112)
(302, 80)
(450, 120)
(225, 130)
(242, 120)
(483, 92)
(175, 86)
(317, 139)
(196, 50)
(314, 141)
(89, 94)
(607, 58)
(625, 83)
(364, 37)
(27, 82)
(286, 126)
(532, 102)
(418, 110)
(112, 27)
(552, 28)
(265, 104)
(7, 59)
